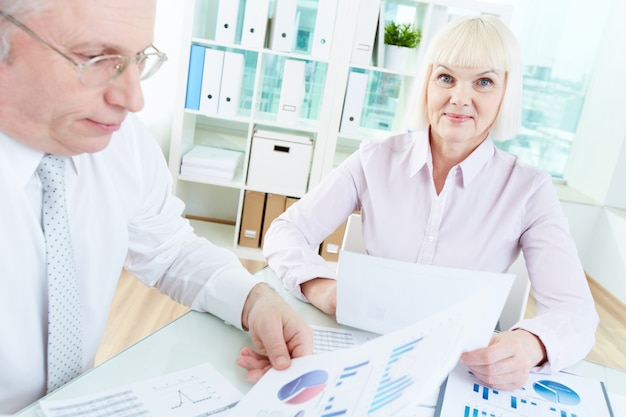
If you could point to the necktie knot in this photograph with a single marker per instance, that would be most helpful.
(51, 172)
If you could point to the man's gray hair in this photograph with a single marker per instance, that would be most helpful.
(18, 9)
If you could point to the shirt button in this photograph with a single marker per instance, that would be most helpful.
(430, 238)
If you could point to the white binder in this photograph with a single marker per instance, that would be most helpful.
(353, 103)
(232, 80)
(254, 23)
(283, 32)
(324, 26)
(211, 81)
(226, 25)
(365, 32)
(292, 91)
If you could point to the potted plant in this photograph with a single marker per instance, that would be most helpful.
(400, 38)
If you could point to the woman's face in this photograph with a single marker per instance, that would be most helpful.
(463, 103)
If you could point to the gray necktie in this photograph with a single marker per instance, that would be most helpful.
(64, 328)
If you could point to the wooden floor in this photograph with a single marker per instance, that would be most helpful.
(138, 311)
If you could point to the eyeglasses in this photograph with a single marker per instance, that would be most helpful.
(103, 69)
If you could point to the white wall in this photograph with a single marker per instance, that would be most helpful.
(160, 90)
(597, 166)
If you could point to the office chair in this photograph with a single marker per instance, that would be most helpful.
(515, 305)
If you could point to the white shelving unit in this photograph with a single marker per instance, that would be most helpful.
(327, 76)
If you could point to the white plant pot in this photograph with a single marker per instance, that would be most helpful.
(396, 57)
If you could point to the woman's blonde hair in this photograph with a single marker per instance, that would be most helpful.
(475, 41)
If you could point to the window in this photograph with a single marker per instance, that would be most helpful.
(559, 39)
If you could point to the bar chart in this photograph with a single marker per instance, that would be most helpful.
(555, 395)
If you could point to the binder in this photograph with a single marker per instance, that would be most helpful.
(194, 77)
(291, 92)
(226, 25)
(353, 103)
(251, 219)
(232, 81)
(211, 81)
(254, 23)
(365, 33)
(283, 31)
(324, 26)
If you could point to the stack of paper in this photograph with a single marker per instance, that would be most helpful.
(208, 162)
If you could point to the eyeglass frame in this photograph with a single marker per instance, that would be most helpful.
(138, 58)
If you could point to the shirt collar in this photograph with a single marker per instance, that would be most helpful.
(21, 160)
(421, 156)
(469, 168)
(474, 163)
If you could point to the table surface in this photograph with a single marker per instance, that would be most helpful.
(197, 338)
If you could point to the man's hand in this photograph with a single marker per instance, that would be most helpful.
(277, 332)
(507, 361)
(322, 293)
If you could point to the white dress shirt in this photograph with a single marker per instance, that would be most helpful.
(122, 215)
(490, 207)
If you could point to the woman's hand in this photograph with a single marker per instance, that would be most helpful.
(507, 361)
(322, 293)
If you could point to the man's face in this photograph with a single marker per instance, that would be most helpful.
(43, 103)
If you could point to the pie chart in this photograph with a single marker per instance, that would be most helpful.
(556, 392)
(303, 388)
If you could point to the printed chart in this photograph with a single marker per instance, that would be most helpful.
(378, 378)
(198, 391)
(328, 339)
(558, 395)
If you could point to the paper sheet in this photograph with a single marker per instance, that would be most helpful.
(328, 339)
(544, 395)
(377, 378)
(198, 391)
(381, 295)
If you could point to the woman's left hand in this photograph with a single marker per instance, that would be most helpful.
(507, 361)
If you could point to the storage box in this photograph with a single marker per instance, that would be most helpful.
(329, 249)
(252, 219)
(274, 207)
(279, 163)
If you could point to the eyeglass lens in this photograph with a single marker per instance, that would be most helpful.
(103, 70)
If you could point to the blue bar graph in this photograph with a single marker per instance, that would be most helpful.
(350, 377)
(394, 380)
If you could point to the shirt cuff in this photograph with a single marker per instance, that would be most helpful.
(225, 294)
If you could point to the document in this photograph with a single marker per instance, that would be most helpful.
(377, 378)
(381, 295)
(327, 339)
(198, 391)
(550, 395)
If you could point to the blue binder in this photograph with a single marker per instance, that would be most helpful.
(194, 77)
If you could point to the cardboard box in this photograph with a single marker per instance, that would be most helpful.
(252, 219)
(329, 249)
(274, 206)
(289, 201)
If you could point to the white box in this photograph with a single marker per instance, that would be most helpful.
(280, 163)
